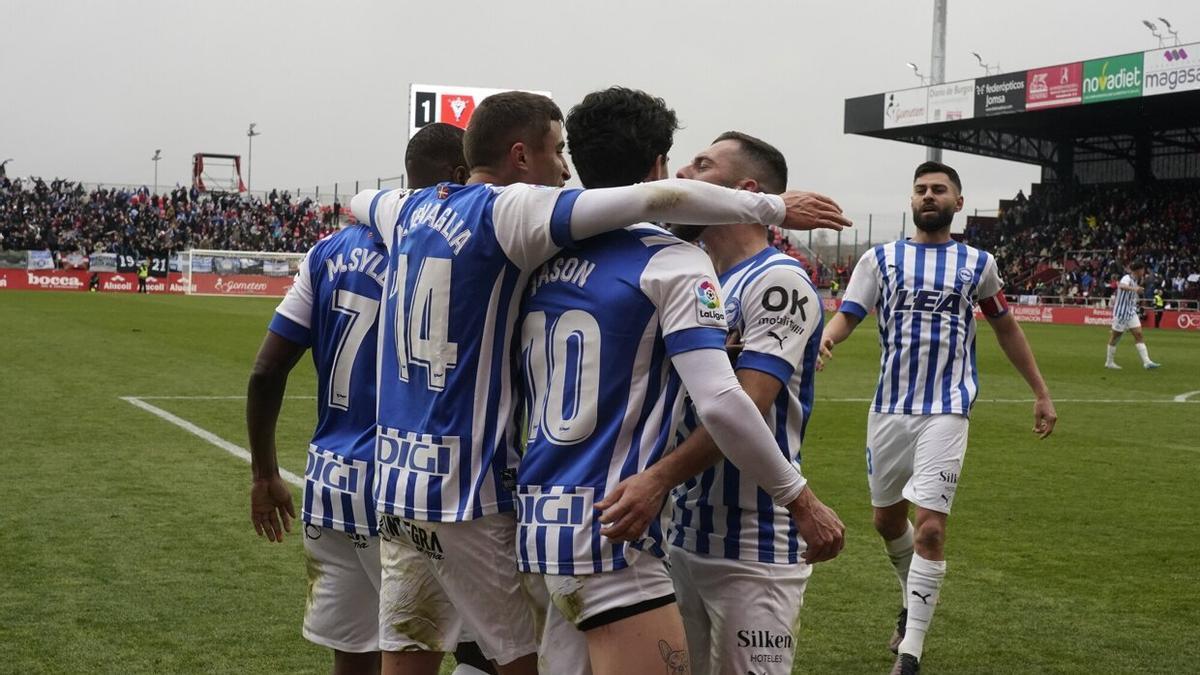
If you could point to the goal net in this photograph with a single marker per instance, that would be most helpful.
(238, 273)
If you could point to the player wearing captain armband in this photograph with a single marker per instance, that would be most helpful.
(924, 291)
(611, 331)
(460, 257)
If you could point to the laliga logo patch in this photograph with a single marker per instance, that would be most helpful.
(706, 292)
(708, 307)
(965, 275)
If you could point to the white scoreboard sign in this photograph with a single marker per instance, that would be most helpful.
(429, 103)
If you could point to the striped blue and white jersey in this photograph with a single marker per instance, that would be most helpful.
(774, 311)
(459, 258)
(599, 326)
(1125, 303)
(924, 296)
(332, 307)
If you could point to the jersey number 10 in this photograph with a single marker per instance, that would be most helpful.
(562, 372)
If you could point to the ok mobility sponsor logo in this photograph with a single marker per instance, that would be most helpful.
(1112, 78)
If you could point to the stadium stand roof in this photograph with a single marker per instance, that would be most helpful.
(1131, 117)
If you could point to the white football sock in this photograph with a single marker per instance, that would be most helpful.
(1141, 350)
(900, 552)
(1112, 354)
(924, 582)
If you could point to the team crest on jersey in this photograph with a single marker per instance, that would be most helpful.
(733, 312)
(443, 191)
(708, 304)
(965, 275)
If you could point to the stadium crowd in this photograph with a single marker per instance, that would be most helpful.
(1096, 232)
(67, 218)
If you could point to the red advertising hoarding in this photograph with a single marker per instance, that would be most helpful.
(124, 282)
(1054, 86)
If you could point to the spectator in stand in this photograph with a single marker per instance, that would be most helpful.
(1159, 223)
(66, 218)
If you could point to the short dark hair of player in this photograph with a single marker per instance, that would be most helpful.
(504, 119)
(771, 166)
(615, 135)
(1137, 265)
(433, 153)
(938, 167)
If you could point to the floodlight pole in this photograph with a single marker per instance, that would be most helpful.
(156, 158)
(250, 134)
(937, 65)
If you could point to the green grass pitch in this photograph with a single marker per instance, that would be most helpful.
(126, 547)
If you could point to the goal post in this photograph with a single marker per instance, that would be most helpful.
(238, 273)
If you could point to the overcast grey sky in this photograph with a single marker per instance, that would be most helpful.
(90, 89)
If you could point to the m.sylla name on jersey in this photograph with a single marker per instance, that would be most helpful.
(370, 263)
(443, 220)
(569, 270)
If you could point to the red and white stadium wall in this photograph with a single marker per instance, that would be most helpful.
(1078, 316)
(124, 282)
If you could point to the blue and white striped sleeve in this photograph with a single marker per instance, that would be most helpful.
(680, 282)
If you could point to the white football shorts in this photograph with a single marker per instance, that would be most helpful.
(343, 589)
(1127, 324)
(740, 616)
(441, 577)
(915, 457)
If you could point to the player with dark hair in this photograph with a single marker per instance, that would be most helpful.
(332, 307)
(1125, 317)
(605, 353)
(749, 566)
(435, 155)
(924, 291)
(459, 259)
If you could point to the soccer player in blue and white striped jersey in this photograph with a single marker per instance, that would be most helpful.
(459, 259)
(1125, 317)
(924, 291)
(332, 307)
(739, 562)
(605, 358)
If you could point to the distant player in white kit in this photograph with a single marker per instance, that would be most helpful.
(924, 291)
(1125, 317)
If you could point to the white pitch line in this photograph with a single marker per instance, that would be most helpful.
(1183, 398)
(238, 397)
(235, 450)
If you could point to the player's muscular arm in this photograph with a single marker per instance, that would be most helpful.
(1016, 348)
(629, 508)
(746, 440)
(271, 507)
(692, 202)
